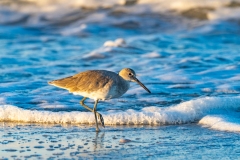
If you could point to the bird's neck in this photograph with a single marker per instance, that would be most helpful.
(125, 85)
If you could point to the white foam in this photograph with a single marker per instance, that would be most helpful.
(186, 112)
(152, 55)
(2, 100)
(226, 88)
(175, 76)
(104, 50)
(74, 30)
(207, 90)
(98, 53)
(221, 122)
(117, 43)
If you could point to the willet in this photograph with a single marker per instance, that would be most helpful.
(98, 85)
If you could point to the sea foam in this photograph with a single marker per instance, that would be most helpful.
(219, 113)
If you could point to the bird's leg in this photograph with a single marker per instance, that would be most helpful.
(94, 110)
(88, 108)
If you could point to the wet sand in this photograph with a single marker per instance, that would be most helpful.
(48, 141)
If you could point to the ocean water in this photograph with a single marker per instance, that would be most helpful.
(186, 52)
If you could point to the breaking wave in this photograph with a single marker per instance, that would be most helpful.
(220, 113)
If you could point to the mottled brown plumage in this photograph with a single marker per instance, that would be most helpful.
(98, 85)
(94, 81)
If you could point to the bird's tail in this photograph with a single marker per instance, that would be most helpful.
(65, 83)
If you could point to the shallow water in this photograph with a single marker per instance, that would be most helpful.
(34, 141)
(186, 53)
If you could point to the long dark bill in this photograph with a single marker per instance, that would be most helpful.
(142, 85)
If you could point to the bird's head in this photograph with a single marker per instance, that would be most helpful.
(130, 75)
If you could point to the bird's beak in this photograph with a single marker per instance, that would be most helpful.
(142, 85)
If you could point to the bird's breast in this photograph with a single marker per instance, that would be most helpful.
(119, 89)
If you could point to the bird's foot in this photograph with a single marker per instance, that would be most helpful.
(101, 119)
(97, 130)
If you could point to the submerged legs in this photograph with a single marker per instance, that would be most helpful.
(94, 110)
(96, 114)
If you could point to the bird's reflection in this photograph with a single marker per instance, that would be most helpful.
(98, 142)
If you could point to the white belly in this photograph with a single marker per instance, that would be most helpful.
(103, 94)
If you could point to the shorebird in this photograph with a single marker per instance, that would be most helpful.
(98, 85)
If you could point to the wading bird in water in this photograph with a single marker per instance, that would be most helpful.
(98, 85)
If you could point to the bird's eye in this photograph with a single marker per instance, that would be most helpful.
(130, 74)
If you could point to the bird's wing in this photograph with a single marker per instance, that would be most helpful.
(93, 80)
(87, 81)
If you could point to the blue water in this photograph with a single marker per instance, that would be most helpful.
(185, 65)
(190, 65)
